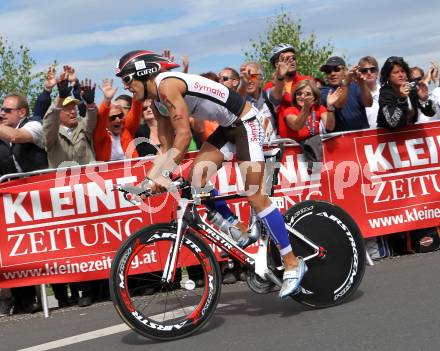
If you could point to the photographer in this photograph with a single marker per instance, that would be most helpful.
(399, 99)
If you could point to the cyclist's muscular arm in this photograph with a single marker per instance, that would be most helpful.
(171, 91)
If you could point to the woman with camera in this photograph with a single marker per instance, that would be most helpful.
(399, 99)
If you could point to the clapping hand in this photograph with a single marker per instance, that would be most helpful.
(108, 90)
(244, 75)
(70, 74)
(63, 86)
(333, 96)
(282, 66)
(422, 91)
(167, 55)
(88, 91)
(50, 79)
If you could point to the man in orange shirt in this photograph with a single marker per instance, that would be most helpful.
(115, 130)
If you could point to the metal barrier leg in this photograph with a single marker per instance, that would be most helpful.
(369, 260)
(44, 301)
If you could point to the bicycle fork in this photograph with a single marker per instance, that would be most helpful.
(170, 265)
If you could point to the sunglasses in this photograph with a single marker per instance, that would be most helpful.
(255, 76)
(9, 110)
(145, 108)
(224, 78)
(113, 117)
(128, 78)
(328, 70)
(305, 93)
(395, 59)
(365, 70)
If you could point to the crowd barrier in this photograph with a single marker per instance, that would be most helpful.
(65, 225)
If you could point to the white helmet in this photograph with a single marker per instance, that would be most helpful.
(277, 50)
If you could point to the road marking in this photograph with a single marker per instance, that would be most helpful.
(79, 338)
(119, 328)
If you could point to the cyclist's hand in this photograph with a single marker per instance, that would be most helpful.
(157, 188)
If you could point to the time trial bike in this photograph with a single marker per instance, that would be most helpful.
(165, 279)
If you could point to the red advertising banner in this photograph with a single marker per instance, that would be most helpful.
(66, 226)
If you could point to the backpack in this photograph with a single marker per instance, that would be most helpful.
(423, 240)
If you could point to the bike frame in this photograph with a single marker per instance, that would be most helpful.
(188, 217)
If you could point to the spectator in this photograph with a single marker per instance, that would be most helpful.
(355, 96)
(399, 101)
(251, 75)
(285, 78)
(229, 77)
(69, 139)
(435, 94)
(147, 130)
(115, 130)
(125, 102)
(304, 120)
(369, 69)
(21, 150)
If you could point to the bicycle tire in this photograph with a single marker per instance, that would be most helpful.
(332, 278)
(152, 308)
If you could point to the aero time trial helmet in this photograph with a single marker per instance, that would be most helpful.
(141, 64)
(278, 50)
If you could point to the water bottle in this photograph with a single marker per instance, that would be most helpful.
(224, 225)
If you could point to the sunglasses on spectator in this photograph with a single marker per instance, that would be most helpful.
(395, 59)
(255, 76)
(128, 78)
(113, 117)
(305, 93)
(417, 79)
(145, 108)
(365, 70)
(9, 110)
(330, 69)
(224, 78)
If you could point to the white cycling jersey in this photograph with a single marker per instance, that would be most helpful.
(206, 99)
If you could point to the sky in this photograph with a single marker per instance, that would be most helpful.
(91, 35)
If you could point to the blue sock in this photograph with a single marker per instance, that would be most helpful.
(274, 222)
(221, 207)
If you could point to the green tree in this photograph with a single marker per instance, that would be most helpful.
(16, 75)
(310, 55)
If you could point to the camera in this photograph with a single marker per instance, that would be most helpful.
(412, 85)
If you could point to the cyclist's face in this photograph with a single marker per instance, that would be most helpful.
(136, 87)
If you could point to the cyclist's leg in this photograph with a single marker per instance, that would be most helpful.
(248, 139)
(270, 215)
(209, 159)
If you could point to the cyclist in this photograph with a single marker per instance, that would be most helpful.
(177, 96)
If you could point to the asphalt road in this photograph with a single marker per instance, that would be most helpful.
(397, 307)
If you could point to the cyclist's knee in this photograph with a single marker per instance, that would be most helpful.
(259, 202)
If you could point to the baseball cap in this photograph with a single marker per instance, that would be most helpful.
(333, 62)
(70, 100)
